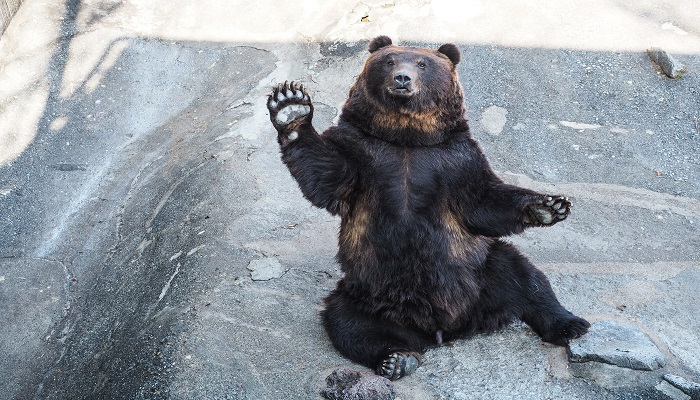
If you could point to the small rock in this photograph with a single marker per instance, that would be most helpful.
(669, 65)
(692, 389)
(618, 344)
(493, 119)
(347, 384)
(265, 269)
(671, 392)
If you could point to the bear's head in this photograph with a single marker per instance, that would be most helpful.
(408, 95)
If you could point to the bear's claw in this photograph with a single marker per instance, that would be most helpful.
(548, 211)
(563, 331)
(289, 105)
(398, 365)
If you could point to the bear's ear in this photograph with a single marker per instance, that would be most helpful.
(378, 42)
(452, 52)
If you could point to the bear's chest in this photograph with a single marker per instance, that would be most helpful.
(406, 181)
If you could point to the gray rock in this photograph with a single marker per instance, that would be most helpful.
(619, 344)
(265, 269)
(692, 389)
(347, 384)
(494, 119)
(669, 65)
(671, 392)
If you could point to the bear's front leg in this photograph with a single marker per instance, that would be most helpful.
(547, 211)
(505, 210)
(316, 162)
(291, 110)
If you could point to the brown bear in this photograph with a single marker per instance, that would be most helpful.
(422, 212)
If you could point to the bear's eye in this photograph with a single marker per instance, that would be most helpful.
(390, 62)
(421, 64)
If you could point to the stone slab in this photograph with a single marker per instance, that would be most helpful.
(620, 344)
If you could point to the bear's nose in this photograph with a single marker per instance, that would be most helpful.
(402, 79)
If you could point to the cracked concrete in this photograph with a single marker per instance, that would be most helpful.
(140, 176)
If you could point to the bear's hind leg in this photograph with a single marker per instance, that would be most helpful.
(391, 350)
(531, 297)
(550, 320)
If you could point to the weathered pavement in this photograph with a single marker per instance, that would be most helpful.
(140, 177)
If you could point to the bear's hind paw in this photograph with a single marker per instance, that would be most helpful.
(564, 331)
(398, 365)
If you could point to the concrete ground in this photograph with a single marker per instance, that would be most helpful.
(140, 177)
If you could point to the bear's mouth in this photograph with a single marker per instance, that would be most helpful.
(400, 91)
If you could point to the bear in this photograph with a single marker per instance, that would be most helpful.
(422, 214)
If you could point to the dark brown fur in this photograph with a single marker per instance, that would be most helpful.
(421, 213)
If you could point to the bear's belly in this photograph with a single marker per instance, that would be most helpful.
(426, 303)
(417, 274)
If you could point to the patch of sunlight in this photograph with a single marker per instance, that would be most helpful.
(18, 122)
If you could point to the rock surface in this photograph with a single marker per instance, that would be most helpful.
(618, 344)
(347, 384)
(140, 175)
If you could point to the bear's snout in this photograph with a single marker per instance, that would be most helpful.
(403, 83)
(402, 80)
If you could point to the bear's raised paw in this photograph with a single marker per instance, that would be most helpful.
(289, 106)
(547, 211)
